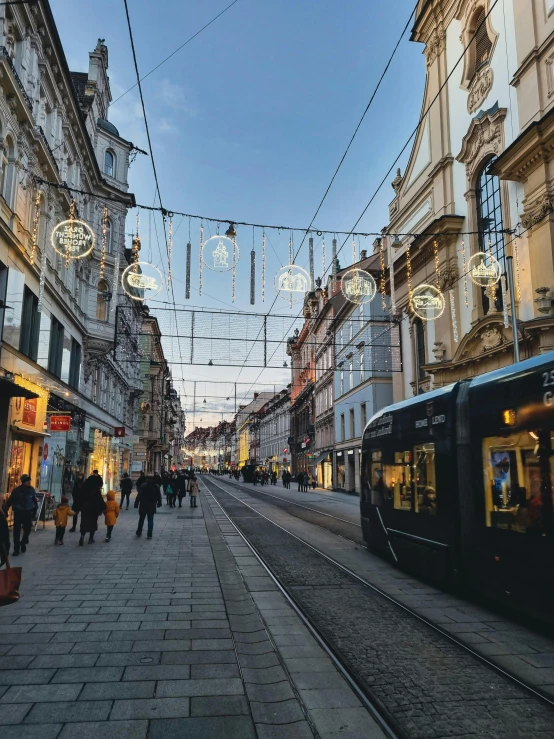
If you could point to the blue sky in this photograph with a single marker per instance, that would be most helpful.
(249, 121)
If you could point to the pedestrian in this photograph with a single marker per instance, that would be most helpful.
(300, 480)
(92, 505)
(193, 491)
(171, 493)
(181, 483)
(23, 501)
(99, 480)
(274, 478)
(305, 481)
(111, 513)
(126, 486)
(148, 499)
(61, 516)
(76, 497)
(140, 480)
(4, 538)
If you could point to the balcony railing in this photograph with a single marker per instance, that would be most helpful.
(6, 54)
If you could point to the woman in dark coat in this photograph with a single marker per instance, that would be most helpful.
(77, 496)
(92, 506)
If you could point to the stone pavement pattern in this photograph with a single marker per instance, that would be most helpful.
(178, 636)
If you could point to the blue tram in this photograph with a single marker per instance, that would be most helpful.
(457, 485)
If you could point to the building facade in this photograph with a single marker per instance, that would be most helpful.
(275, 433)
(302, 361)
(323, 335)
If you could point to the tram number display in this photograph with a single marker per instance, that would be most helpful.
(548, 381)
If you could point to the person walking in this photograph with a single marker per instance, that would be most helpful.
(193, 491)
(181, 484)
(61, 517)
(111, 513)
(171, 493)
(92, 505)
(305, 481)
(300, 480)
(140, 480)
(126, 487)
(148, 499)
(23, 501)
(77, 495)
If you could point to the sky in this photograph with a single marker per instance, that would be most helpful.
(248, 122)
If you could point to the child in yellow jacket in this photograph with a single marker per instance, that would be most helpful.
(111, 514)
(61, 515)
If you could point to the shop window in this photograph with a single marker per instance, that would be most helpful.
(55, 352)
(30, 325)
(425, 484)
(75, 364)
(491, 226)
(512, 479)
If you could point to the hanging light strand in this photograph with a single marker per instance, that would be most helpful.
(437, 263)
(234, 270)
(505, 301)
(34, 233)
(323, 258)
(42, 281)
(115, 283)
(334, 266)
(464, 270)
(291, 258)
(382, 281)
(70, 234)
(104, 247)
(409, 275)
(169, 249)
(518, 276)
(354, 253)
(263, 266)
(201, 260)
(492, 288)
(136, 245)
(455, 335)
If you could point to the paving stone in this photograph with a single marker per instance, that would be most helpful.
(255, 637)
(288, 640)
(32, 638)
(44, 713)
(298, 730)
(109, 691)
(231, 727)
(315, 664)
(157, 672)
(103, 647)
(260, 648)
(346, 721)
(87, 674)
(329, 698)
(198, 658)
(105, 730)
(128, 658)
(145, 635)
(25, 677)
(199, 687)
(318, 680)
(257, 661)
(270, 693)
(207, 672)
(65, 660)
(150, 709)
(308, 652)
(284, 712)
(83, 636)
(48, 731)
(218, 705)
(13, 713)
(210, 644)
(40, 693)
(265, 676)
(17, 663)
(162, 645)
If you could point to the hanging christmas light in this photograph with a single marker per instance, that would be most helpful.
(492, 285)
(518, 276)
(34, 233)
(201, 259)
(234, 269)
(358, 286)
(104, 243)
(409, 275)
(505, 302)
(382, 281)
(252, 277)
(427, 302)
(169, 249)
(464, 270)
(437, 263)
(113, 305)
(263, 267)
(484, 270)
(291, 259)
(311, 255)
(391, 278)
(334, 267)
(454, 316)
(354, 254)
(323, 259)
(187, 278)
(42, 281)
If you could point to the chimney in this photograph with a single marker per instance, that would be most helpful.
(363, 255)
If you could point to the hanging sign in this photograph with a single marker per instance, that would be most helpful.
(427, 302)
(358, 286)
(30, 412)
(220, 253)
(292, 283)
(60, 423)
(73, 239)
(119, 432)
(141, 281)
(484, 269)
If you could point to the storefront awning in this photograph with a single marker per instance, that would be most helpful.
(9, 389)
(319, 458)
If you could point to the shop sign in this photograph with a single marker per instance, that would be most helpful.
(45, 452)
(30, 412)
(119, 432)
(60, 423)
(136, 467)
(284, 460)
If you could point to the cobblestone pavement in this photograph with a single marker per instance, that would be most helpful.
(429, 686)
(174, 637)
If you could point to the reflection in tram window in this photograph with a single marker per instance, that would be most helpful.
(424, 479)
(398, 481)
(513, 483)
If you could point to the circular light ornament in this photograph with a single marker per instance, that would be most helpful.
(484, 269)
(220, 253)
(427, 302)
(141, 280)
(358, 286)
(292, 283)
(73, 239)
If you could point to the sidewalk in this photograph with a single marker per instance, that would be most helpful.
(184, 635)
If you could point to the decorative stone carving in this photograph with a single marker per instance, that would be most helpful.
(479, 88)
(435, 45)
(95, 351)
(448, 278)
(397, 182)
(491, 337)
(543, 302)
(539, 210)
(484, 137)
(12, 102)
(439, 351)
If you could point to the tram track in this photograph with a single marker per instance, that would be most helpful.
(409, 669)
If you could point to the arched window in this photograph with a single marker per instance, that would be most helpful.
(490, 223)
(420, 355)
(109, 233)
(102, 302)
(109, 163)
(482, 45)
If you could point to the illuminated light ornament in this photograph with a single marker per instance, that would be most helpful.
(72, 239)
(453, 313)
(103, 250)
(427, 302)
(34, 234)
(220, 253)
(484, 269)
(142, 281)
(464, 270)
(358, 286)
(292, 283)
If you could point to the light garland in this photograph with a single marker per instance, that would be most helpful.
(391, 278)
(71, 225)
(311, 260)
(428, 302)
(382, 281)
(354, 253)
(454, 316)
(252, 277)
(518, 276)
(334, 267)
(263, 266)
(409, 276)
(42, 280)
(505, 302)
(492, 287)
(187, 278)
(464, 269)
(136, 245)
(201, 259)
(234, 269)
(169, 250)
(115, 283)
(104, 243)
(437, 263)
(34, 234)
(291, 257)
(323, 258)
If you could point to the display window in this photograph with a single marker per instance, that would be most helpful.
(515, 469)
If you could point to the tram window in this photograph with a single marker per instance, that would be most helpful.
(425, 481)
(397, 480)
(512, 479)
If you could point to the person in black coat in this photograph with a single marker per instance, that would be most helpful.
(23, 501)
(77, 497)
(126, 486)
(92, 506)
(148, 499)
(180, 483)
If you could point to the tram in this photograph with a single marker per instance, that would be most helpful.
(457, 485)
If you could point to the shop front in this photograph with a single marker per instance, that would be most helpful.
(324, 470)
(104, 456)
(340, 471)
(27, 435)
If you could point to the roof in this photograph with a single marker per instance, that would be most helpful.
(107, 126)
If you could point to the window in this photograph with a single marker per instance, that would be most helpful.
(342, 428)
(352, 424)
(351, 375)
(55, 351)
(109, 235)
(150, 423)
(350, 328)
(409, 483)
(419, 337)
(75, 364)
(109, 163)
(425, 498)
(342, 382)
(363, 411)
(491, 224)
(362, 368)
(101, 301)
(30, 325)
(482, 45)
(8, 171)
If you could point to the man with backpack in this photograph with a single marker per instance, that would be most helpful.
(23, 501)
